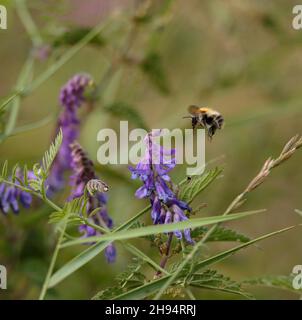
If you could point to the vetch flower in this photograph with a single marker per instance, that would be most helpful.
(84, 175)
(153, 170)
(71, 98)
(12, 196)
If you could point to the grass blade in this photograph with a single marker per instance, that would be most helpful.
(76, 263)
(164, 228)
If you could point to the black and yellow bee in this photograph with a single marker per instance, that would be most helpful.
(209, 119)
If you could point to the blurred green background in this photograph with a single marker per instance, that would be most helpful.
(241, 57)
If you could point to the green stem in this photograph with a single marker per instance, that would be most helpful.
(28, 22)
(33, 125)
(134, 250)
(95, 226)
(15, 104)
(190, 294)
(9, 100)
(166, 255)
(53, 261)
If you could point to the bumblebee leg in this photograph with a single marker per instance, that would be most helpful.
(194, 122)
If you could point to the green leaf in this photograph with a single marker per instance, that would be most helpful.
(107, 294)
(35, 184)
(220, 234)
(72, 211)
(4, 170)
(155, 285)
(212, 280)
(143, 291)
(126, 112)
(144, 231)
(51, 153)
(271, 281)
(77, 262)
(131, 277)
(14, 171)
(25, 175)
(197, 184)
(153, 69)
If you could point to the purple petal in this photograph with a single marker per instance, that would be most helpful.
(156, 210)
(142, 192)
(110, 253)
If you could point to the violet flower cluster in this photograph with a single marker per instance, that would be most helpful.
(83, 173)
(71, 98)
(12, 196)
(153, 170)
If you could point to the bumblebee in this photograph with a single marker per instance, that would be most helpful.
(209, 119)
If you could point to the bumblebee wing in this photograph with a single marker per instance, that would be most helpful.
(193, 110)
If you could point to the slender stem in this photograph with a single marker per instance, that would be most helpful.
(95, 226)
(28, 22)
(9, 99)
(130, 276)
(165, 257)
(134, 250)
(53, 261)
(33, 125)
(182, 243)
(15, 104)
(190, 294)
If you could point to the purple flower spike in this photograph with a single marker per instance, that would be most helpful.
(71, 98)
(153, 170)
(83, 172)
